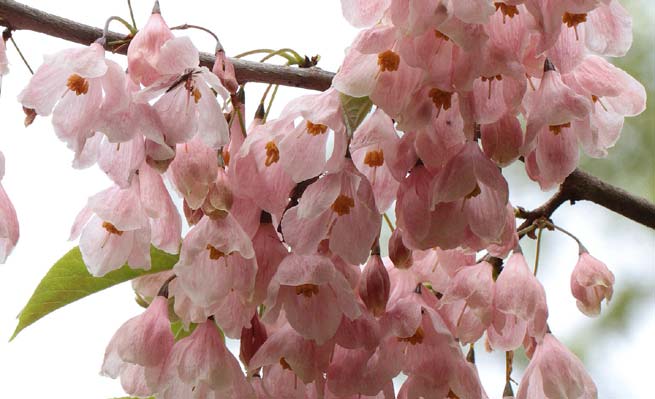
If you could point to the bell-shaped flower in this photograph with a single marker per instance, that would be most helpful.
(475, 286)
(313, 294)
(519, 293)
(144, 49)
(339, 206)
(217, 267)
(306, 359)
(502, 140)
(476, 185)
(608, 30)
(186, 101)
(193, 171)
(257, 170)
(374, 141)
(555, 372)
(554, 107)
(363, 13)
(591, 282)
(9, 230)
(200, 366)
(303, 148)
(614, 93)
(118, 224)
(554, 158)
(139, 349)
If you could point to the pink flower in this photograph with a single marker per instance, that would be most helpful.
(139, 349)
(502, 140)
(555, 372)
(200, 365)
(187, 105)
(193, 171)
(313, 294)
(477, 187)
(224, 69)
(340, 206)
(143, 52)
(591, 282)
(362, 13)
(9, 231)
(374, 142)
(519, 294)
(118, 224)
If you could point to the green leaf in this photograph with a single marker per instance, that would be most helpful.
(355, 110)
(68, 280)
(177, 327)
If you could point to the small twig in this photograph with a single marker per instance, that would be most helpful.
(129, 5)
(20, 53)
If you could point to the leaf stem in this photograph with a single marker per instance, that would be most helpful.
(22, 57)
(536, 257)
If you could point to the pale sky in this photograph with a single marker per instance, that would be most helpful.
(60, 355)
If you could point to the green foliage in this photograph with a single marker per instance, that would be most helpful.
(178, 329)
(355, 110)
(68, 280)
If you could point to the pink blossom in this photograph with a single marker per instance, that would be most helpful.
(591, 282)
(193, 171)
(362, 13)
(224, 69)
(555, 372)
(375, 141)
(502, 140)
(518, 293)
(143, 52)
(313, 294)
(139, 349)
(9, 230)
(340, 206)
(200, 365)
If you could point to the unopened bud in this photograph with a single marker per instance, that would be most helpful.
(400, 255)
(252, 339)
(374, 286)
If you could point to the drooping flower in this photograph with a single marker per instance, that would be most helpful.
(200, 366)
(143, 52)
(9, 230)
(555, 372)
(339, 206)
(138, 350)
(591, 282)
(314, 296)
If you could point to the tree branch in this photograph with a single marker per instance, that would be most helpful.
(18, 16)
(578, 186)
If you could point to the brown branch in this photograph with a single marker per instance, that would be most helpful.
(581, 186)
(18, 16)
(578, 186)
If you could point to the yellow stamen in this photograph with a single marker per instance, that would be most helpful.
(507, 10)
(342, 205)
(77, 84)
(111, 228)
(440, 35)
(417, 338)
(196, 95)
(214, 254)
(272, 154)
(284, 364)
(573, 20)
(441, 99)
(388, 61)
(474, 193)
(316, 128)
(307, 290)
(557, 129)
(374, 158)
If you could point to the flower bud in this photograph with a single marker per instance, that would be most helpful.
(374, 285)
(591, 282)
(252, 339)
(400, 255)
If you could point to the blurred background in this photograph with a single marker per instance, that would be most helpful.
(60, 356)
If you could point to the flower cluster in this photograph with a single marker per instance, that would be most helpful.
(285, 212)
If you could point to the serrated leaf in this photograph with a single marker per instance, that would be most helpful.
(355, 110)
(68, 280)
